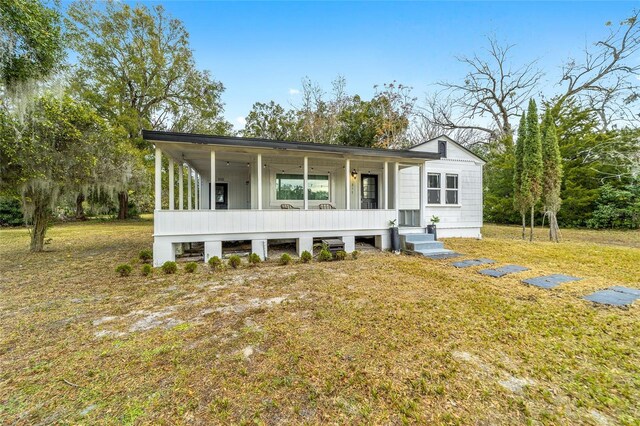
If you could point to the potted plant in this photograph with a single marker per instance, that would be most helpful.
(395, 236)
(431, 229)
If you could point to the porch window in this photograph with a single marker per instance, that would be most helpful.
(451, 195)
(290, 187)
(433, 188)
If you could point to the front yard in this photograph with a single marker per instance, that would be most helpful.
(383, 339)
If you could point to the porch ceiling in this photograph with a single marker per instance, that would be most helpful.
(193, 149)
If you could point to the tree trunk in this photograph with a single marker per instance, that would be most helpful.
(40, 220)
(524, 225)
(123, 205)
(532, 215)
(554, 229)
(79, 207)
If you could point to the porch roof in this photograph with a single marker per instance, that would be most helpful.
(293, 146)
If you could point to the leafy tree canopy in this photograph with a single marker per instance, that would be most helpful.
(31, 41)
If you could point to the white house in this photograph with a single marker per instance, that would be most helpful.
(274, 190)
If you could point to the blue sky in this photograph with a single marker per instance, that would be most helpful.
(260, 51)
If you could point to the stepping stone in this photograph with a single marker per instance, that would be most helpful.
(550, 281)
(502, 271)
(616, 296)
(443, 255)
(472, 262)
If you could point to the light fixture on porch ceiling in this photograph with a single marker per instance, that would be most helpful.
(248, 164)
(354, 173)
(264, 166)
(227, 163)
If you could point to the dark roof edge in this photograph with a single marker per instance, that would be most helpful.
(162, 136)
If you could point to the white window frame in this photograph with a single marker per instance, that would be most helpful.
(433, 188)
(446, 189)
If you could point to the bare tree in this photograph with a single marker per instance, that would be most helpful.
(492, 94)
(605, 79)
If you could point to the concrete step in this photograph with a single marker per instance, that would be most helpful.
(417, 238)
(434, 252)
(424, 245)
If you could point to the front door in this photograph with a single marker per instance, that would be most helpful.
(369, 198)
(222, 196)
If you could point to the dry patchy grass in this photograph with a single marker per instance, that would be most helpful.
(380, 340)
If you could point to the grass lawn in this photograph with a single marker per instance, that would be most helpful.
(380, 340)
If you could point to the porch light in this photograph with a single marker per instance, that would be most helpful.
(227, 163)
(354, 173)
(248, 164)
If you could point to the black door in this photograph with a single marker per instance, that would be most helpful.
(221, 196)
(369, 199)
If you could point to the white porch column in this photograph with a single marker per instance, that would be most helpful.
(396, 187)
(259, 176)
(305, 177)
(172, 184)
(423, 194)
(212, 200)
(189, 188)
(347, 183)
(180, 187)
(196, 191)
(158, 180)
(385, 182)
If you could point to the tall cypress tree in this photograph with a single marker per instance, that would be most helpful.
(532, 163)
(518, 201)
(552, 174)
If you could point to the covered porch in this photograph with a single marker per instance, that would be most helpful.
(213, 189)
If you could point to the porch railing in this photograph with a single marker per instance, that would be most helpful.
(227, 222)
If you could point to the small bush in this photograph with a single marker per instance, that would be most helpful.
(325, 255)
(355, 254)
(254, 259)
(169, 267)
(124, 270)
(145, 255)
(341, 255)
(285, 259)
(215, 263)
(306, 257)
(234, 261)
(147, 269)
(191, 267)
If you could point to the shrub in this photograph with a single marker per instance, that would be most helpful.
(145, 255)
(215, 263)
(341, 255)
(234, 261)
(285, 259)
(254, 259)
(191, 267)
(169, 267)
(325, 255)
(306, 257)
(146, 269)
(355, 254)
(124, 270)
(11, 212)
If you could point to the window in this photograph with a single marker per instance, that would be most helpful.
(433, 188)
(291, 187)
(451, 195)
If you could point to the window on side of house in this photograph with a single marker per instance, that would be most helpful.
(290, 187)
(451, 195)
(433, 188)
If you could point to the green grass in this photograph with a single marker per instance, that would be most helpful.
(379, 340)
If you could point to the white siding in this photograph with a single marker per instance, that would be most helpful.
(409, 188)
(463, 219)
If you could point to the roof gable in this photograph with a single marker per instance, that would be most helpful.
(432, 146)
